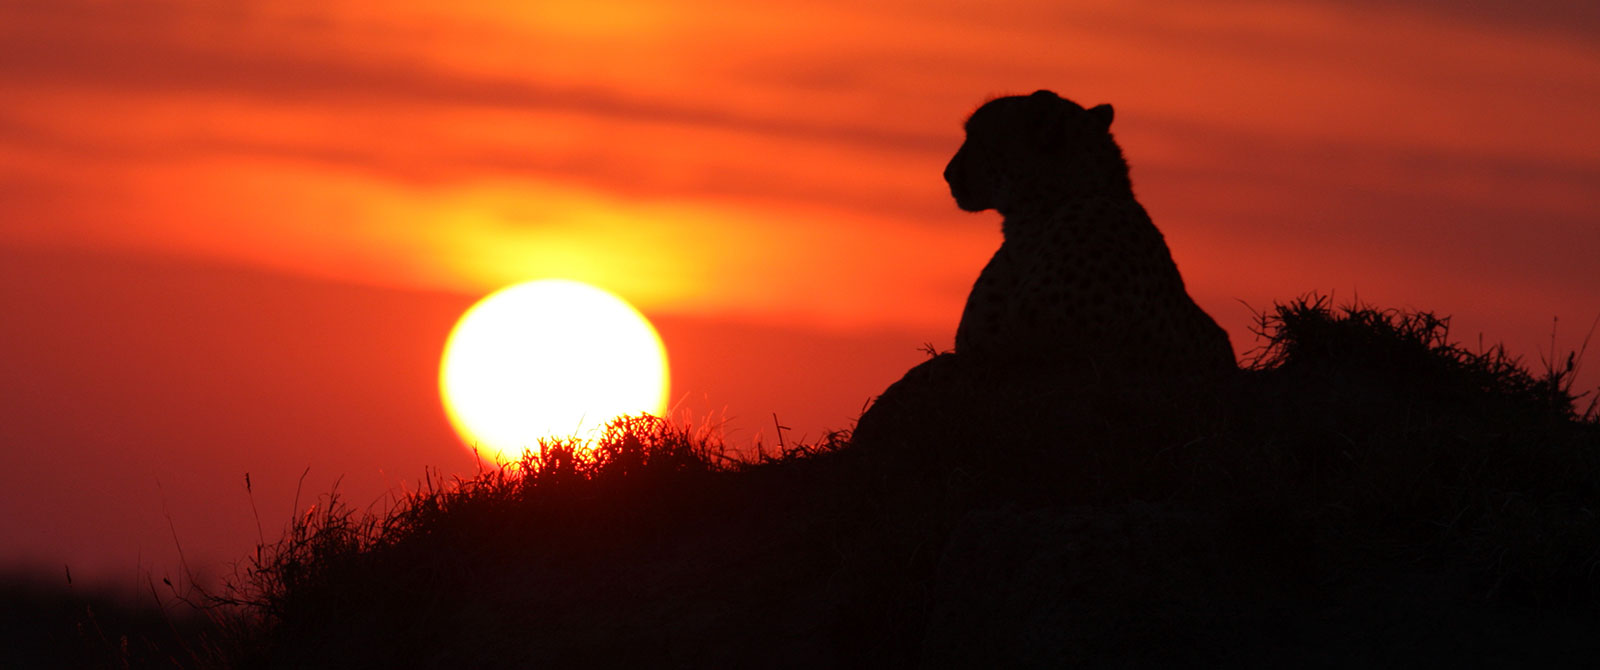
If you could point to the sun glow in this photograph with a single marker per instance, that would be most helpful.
(548, 359)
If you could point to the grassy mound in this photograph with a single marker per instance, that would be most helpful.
(1366, 492)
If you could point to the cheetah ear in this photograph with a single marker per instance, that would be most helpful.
(1102, 113)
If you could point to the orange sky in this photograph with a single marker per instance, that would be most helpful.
(761, 178)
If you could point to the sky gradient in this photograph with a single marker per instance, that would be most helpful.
(235, 235)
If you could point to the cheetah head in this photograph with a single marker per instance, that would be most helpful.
(1025, 148)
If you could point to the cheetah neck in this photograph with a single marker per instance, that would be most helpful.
(1043, 217)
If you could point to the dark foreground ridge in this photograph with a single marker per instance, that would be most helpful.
(1366, 494)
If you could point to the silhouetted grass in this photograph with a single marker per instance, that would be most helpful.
(1414, 351)
(1409, 445)
(1366, 492)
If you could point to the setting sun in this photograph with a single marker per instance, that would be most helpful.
(549, 358)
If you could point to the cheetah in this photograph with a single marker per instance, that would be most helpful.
(1082, 280)
(1081, 312)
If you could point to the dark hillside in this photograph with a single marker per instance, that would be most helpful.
(1367, 493)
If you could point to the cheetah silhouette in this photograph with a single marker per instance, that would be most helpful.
(1083, 291)
(1083, 278)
